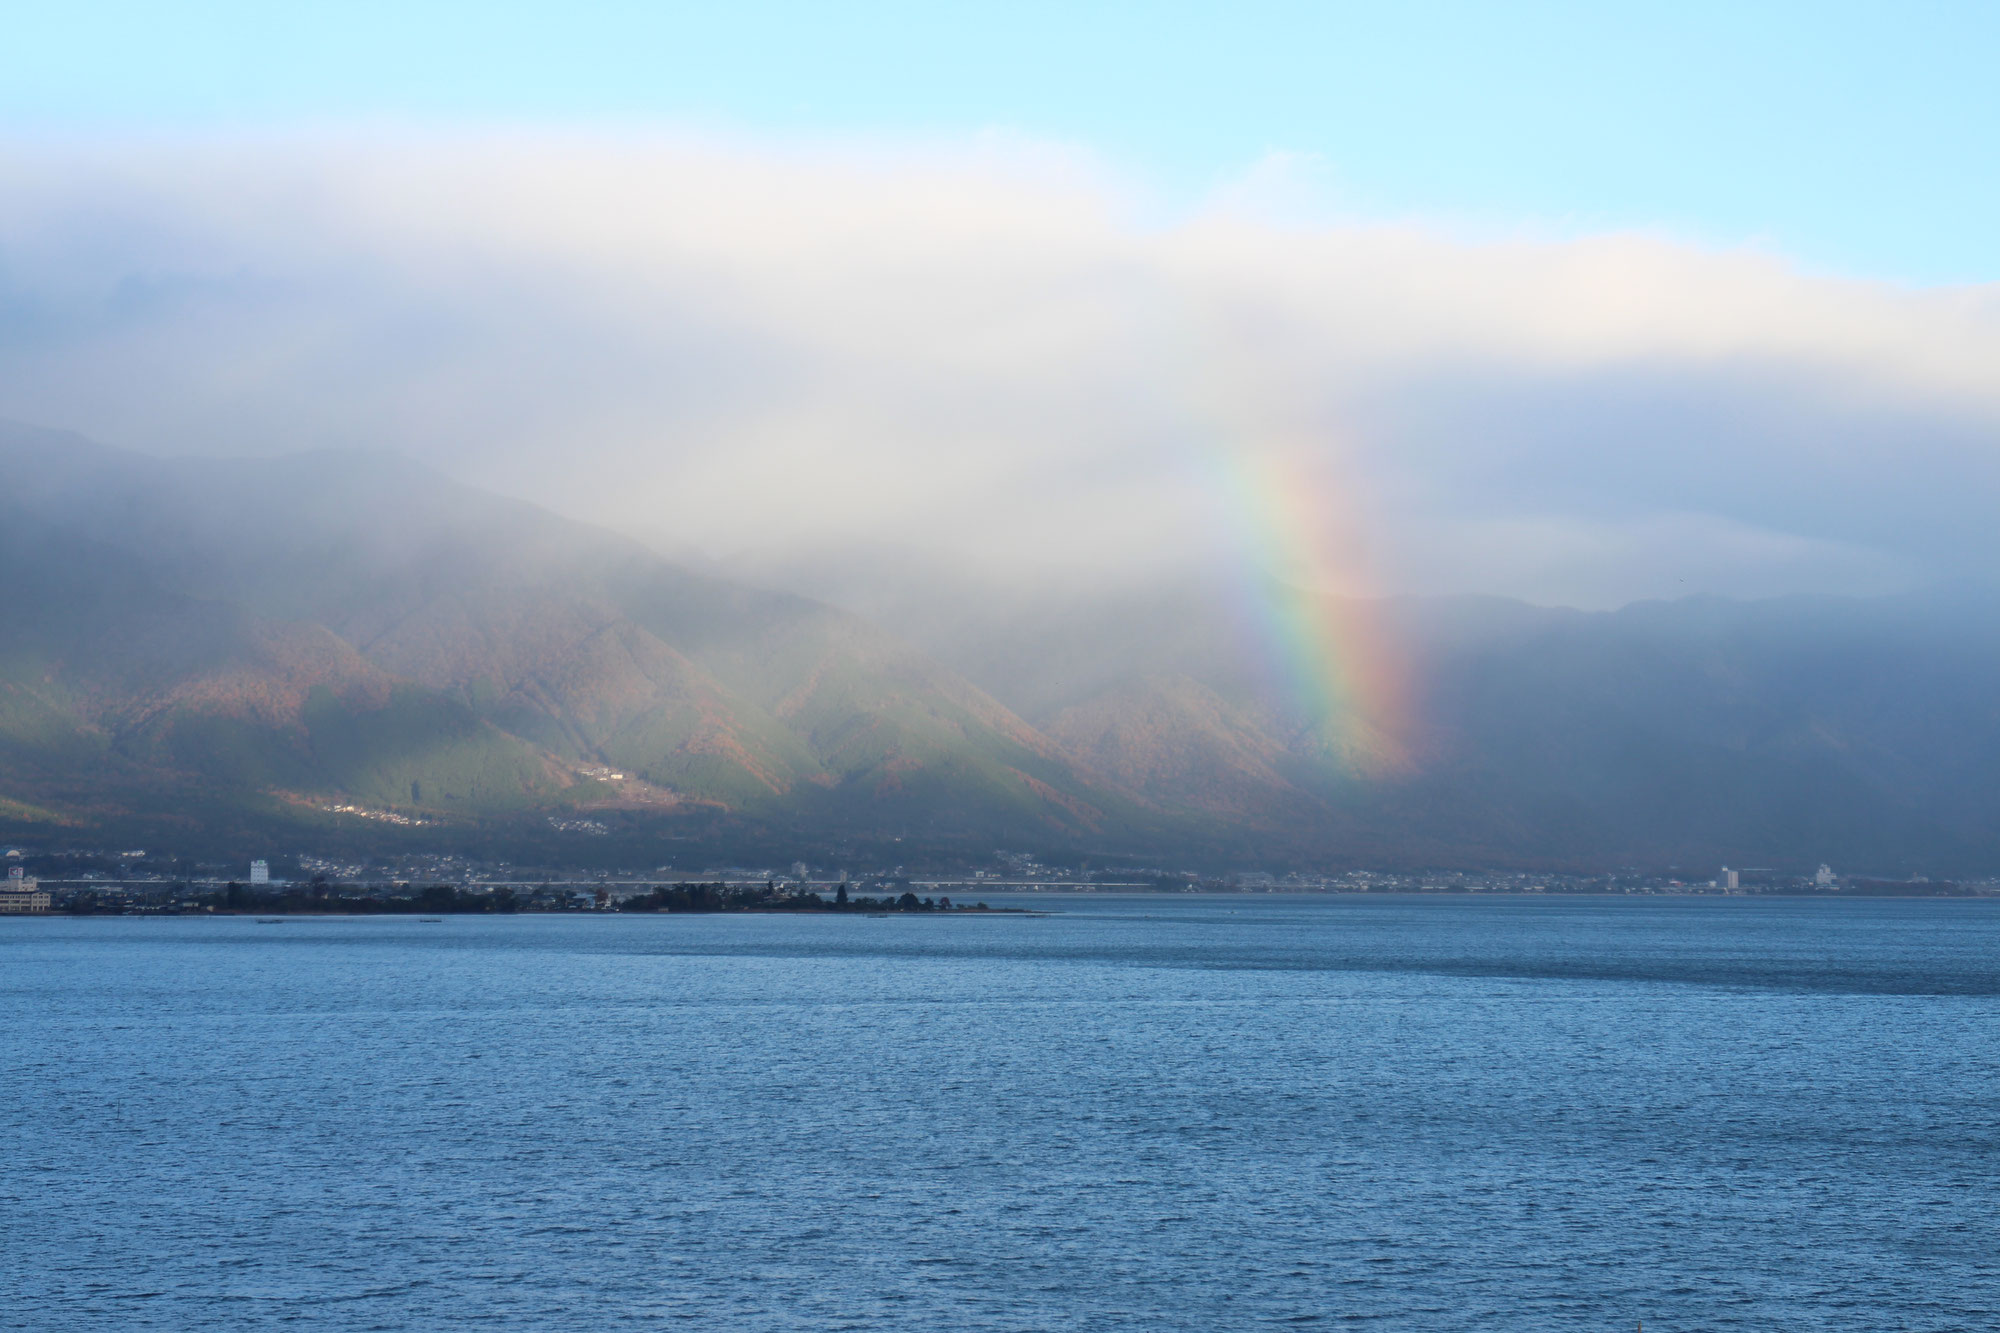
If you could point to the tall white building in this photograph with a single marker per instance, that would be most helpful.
(1728, 880)
(1823, 877)
(18, 893)
(260, 872)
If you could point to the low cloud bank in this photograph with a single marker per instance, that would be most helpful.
(987, 360)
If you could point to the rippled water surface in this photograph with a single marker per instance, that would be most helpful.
(1149, 1113)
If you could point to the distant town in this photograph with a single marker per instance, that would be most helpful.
(133, 882)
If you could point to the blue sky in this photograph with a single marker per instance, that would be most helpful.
(1854, 139)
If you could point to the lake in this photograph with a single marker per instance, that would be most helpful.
(1145, 1113)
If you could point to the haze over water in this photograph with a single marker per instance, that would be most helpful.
(1140, 1113)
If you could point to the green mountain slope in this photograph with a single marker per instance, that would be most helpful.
(117, 693)
(1862, 731)
(216, 643)
(493, 654)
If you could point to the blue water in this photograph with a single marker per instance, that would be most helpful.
(1158, 1114)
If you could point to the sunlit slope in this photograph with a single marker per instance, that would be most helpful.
(468, 617)
(893, 732)
(119, 695)
(209, 638)
(1178, 740)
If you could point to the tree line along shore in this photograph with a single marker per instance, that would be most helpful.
(320, 898)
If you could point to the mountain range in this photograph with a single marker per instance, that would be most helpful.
(344, 646)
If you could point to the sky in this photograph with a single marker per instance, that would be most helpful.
(1856, 138)
(1579, 303)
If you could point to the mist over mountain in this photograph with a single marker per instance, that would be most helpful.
(1686, 732)
(294, 630)
(204, 648)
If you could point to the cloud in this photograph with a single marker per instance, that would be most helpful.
(996, 356)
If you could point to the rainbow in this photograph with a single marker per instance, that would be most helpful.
(1303, 580)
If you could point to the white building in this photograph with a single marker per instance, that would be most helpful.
(1728, 881)
(260, 872)
(22, 894)
(1823, 877)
